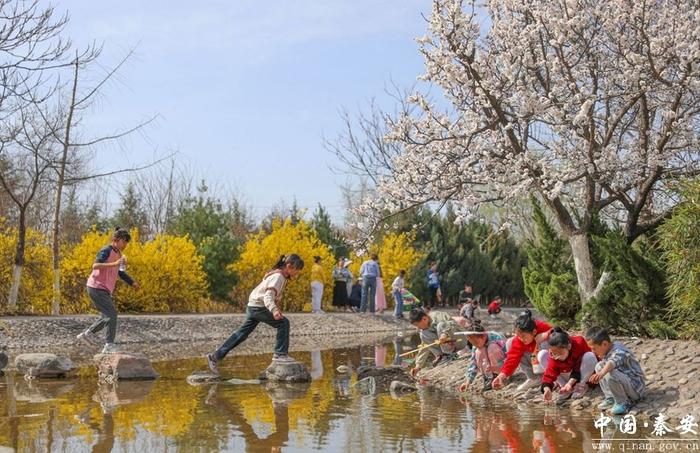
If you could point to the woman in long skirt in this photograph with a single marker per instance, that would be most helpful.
(380, 298)
(341, 275)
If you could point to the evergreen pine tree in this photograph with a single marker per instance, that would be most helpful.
(549, 278)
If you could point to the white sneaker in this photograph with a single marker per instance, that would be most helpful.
(538, 369)
(528, 384)
(87, 337)
(110, 348)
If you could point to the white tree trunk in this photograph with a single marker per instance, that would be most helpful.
(56, 302)
(585, 275)
(14, 289)
(583, 265)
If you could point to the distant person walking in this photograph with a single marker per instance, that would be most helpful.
(109, 264)
(317, 279)
(396, 288)
(433, 285)
(262, 307)
(341, 276)
(369, 271)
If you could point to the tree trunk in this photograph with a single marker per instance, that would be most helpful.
(19, 263)
(584, 266)
(585, 275)
(55, 238)
(14, 289)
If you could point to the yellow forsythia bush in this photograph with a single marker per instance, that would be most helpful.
(35, 291)
(167, 268)
(395, 252)
(261, 252)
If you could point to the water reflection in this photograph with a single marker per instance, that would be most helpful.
(325, 415)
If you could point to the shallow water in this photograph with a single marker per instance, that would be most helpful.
(327, 415)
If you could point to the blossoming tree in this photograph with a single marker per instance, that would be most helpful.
(592, 105)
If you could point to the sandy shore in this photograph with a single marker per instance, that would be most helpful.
(672, 370)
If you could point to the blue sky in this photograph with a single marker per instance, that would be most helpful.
(245, 89)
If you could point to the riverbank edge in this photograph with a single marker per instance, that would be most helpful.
(672, 370)
(167, 337)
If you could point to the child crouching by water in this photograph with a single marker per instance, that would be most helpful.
(530, 338)
(488, 354)
(619, 374)
(570, 364)
(262, 307)
(437, 331)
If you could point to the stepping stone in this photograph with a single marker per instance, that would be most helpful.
(291, 371)
(203, 377)
(43, 365)
(124, 365)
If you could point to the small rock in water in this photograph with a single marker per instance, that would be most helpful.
(42, 365)
(203, 377)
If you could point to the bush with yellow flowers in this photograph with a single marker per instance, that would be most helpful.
(167, 268)
(395, 252)
(35, 291)
(262, 251)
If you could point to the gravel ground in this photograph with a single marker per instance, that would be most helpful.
(163, 337)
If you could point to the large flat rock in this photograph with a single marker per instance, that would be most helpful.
(124, 365)
(43, 365)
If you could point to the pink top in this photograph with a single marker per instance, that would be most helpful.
(106, 278)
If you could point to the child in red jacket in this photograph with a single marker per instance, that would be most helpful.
(530, 335)
(570, 364)
(494, 307)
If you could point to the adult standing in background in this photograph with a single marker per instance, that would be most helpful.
(369, 271)
(341, 276)
(396, 288)
(433, 284)
(380, 301)
(317, 279)
(351, 280)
